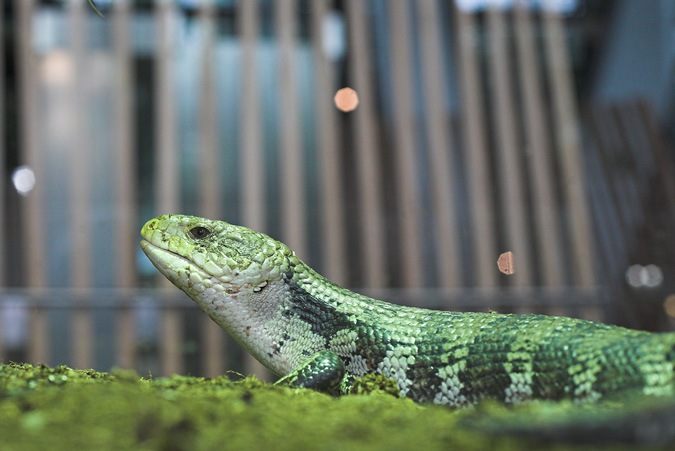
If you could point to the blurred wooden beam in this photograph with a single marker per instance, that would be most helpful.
(408, 192)
(333, 213)
(3, 158)
(368, 167)
(167, 172)
(125, 180)
(661, 149)
(252, 178)
(539, 149)
(438, 129)
(34, 226)
(291, 152)
(80, 165)
(568, 141)
(210, 195)
(512, 180)
(483, 238)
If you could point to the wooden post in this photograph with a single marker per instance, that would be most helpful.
(3, 254)
(568, 140)
(512, 181)
(125, 180)
(444, 201)
(33, 218)
(251, 151)
(369, 178)
(479, 182)
(538, 145)
(333, 214)
(82, 332)
(291, 157)
(405, 148)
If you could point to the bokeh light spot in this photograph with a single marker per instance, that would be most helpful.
(644, 276)
(505, 263)
(669, 305)
(346, 99)
(23, 179)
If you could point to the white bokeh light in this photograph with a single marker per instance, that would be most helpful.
(644, 276)
(23, 179)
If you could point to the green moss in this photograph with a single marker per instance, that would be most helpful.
(375, 383)
(61, 408)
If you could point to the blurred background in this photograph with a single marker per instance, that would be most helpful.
(515, 156)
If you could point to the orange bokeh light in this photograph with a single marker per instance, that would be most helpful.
(505, 263)
(346, 99)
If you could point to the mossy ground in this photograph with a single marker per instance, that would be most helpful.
(61, 408)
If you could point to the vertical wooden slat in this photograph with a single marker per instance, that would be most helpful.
(3, 347)
(167, 174)
(568, 140)
(80, 159)
(618, 217)
(632, 117)
(171, 340)
(660, 149)
(33, 218)
(82, 336)
(479, 183)
(3, 150)
(406, 164)
(619, 160)
(125, 180)
(606, 219)
(3, 275)
(538, 145)
(512, 182)
(251, 150)
(211, 194)
(438, 129)
(293, 183)
(34, 233)
(629, 129)
(126, 337)
(82, 331)
(332, 199)
(368, 176)
(213, 348)
(630, 169)
(598, 119)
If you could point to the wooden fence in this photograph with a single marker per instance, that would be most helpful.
(409, 196)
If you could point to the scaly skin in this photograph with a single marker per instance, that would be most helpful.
(316, 334)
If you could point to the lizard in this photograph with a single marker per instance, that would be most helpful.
(313, 333)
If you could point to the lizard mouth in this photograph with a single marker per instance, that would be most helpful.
(183, 272)
(165, 260)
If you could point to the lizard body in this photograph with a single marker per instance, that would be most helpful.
(316, 334)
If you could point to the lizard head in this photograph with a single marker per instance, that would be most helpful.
(230, 271)
(196, 254)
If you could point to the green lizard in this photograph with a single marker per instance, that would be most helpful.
(316, 334)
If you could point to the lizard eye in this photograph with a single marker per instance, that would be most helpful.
(200, 232)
